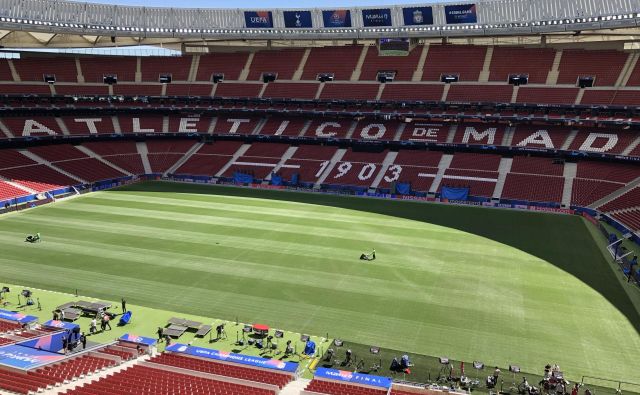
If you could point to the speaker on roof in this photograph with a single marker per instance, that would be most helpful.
(165, 78)
(518, 79)
(49, 78)
(217, 77)
(269, 77)
(586, 81)
(110, 79)
(449, 78)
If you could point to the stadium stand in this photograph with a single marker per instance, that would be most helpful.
(463, 60)
(210, 158)
(335, 388)
(165, 153)
(308, 162)
(411, 92)
(148, 380)
(403, 66)
(24, 89)
(339, 61)
(34, 68)
(283, 63)
(604, 65)
(534, 188)
(349, 91)
(547, 95)
(259, 160)
(631, 199)
(94, 68)
(480, 93)
(356, 169)
(177, 67)
(291, 90)
(533, 62)
(223, 369)
(229, 64)
(236, 89)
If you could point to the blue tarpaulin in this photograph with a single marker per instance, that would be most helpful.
(242, 178)
(403, 188)
(310, 348)
(455, 193)
(276, 179)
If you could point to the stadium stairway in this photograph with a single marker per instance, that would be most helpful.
(99, 158)
(569, 173)
(143, 151)
(503, 170)
(41, 161)
(444, 164)
(18, 186)
(100, 375)
(388, 161)
(181, 161)
(241, 151)
(617, 193)
(634, 144)
(295, 387)
(285, 157)
(337, 157)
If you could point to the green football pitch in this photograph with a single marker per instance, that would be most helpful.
(468, 283)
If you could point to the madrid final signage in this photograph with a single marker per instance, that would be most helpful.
(258, 19)
(336, 18)
(376, 17)
(297, 19)
(417, 16)
(463, 13)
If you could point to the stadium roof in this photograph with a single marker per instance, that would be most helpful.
(58, 23)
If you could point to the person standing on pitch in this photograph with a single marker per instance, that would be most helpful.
(124, 306)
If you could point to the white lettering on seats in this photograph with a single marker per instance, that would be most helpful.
(381, 131)
(540, 137)
(425, 134)
(488, 133)
(90, 122)
(612, 140)
(320, 129)
(395, 171)
(137, 129)
(188, 125)
(31, 126)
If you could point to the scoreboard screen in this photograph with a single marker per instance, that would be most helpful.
(394, 46)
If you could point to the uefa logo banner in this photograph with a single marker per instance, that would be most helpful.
(416, 16)
(297, 19)
(336, 18)
(376, 17)
(464, 13)
(258, 19)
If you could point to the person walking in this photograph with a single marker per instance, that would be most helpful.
(93, 326)
(160, 334)
(106, 319)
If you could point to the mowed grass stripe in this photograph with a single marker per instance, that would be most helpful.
(367, 235)
(431, 253)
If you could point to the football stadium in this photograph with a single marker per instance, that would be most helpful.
(404, 199)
